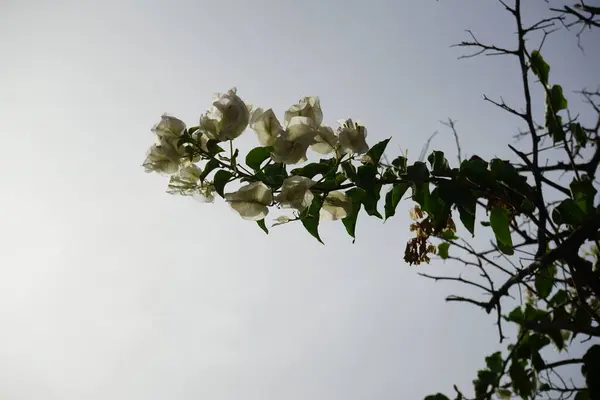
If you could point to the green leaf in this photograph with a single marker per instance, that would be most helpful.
(560, 297)
(437, 396)
(504, 394)
(500, 221)
(521, 383)
(591, 370)
(257, 156)
(371, 199)
(273, 175)
(313, 169)
(356, 195)
(349, 170)
(377, 150)
(544, 281)
(466, 209)
(310, 218)
(261, 224)
(443, 250)
(516, 315)
(583, 193)
(539, 67)
(494, 363)
(579, 134)
(213, 147)
(221, 179)
(418, 173)
(393, 197)
(400, 163)
(554, 126)
(439, 163)
(556, 99)
(484, 379)
(581, 395)
(568, 212)
(210, 166)
(366, 177)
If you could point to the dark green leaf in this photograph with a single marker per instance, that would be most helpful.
(371, 199)
(439, 163)
(484, 379)
(591, 371)
(393, 197)
(539, 67)
(211, 165)
(521, 382)
(516, 315)
(557, 100)
(581, 395)
(221, 179)
(418, 172)
(449, 235)
(554, 126)
(500, 221)
(568, 212)
(494, 362)
(579, 134)
(466, 209)
(508, 250)
(310, 218)
(400, 163)
(376, 151)
(213, 147)
(544, 281)
(313, 169)
(261, 224)
(559, 298)
(274, 175)
(443, 250)
(583, 192)
(437, 396)
(349, 170)
(349, 222)
(257, 156)
(366, 177)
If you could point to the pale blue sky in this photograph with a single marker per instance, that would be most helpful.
(112, 289)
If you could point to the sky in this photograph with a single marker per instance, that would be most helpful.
(112, 289)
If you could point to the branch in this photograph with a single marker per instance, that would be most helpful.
(566, 249)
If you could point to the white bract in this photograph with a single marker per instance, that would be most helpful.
(336, 206)
(267, 127)
(309, 107)
(168, 128)
(164, 157)
(325, 140)
(251, 201)
(352, 137)
(295, 193)
(228, 117)
(291, 145)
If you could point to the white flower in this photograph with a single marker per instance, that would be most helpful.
(205, 193)
(185, 182)
(352, 137)
(235, 115)
(267, 127)
(309, 107)
(251, 201)
(326, 140)
(227, 118)
(336, 206)
(291, 145)
(164, 157)
(295, 193)
(168, 127)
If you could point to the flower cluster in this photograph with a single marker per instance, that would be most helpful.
(189, 156)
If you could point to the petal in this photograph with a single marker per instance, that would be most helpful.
(326, 140)
(267, 127)
(309, 107)
(302, 129)
(336, 206)
(250, 211)
(169, 127)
